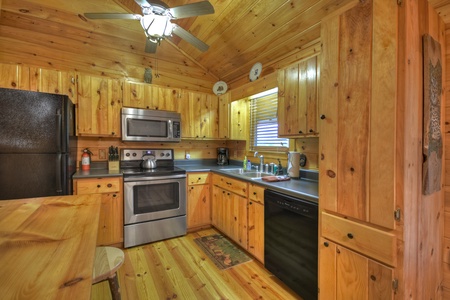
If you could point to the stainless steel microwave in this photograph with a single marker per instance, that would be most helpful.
(147, 125)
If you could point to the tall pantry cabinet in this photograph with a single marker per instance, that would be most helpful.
(370, 155)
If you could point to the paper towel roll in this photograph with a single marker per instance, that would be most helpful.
(293, 169)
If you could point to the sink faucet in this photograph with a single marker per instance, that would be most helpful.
(261, 160)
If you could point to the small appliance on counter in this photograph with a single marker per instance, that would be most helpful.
(222, 156)
(293, 167)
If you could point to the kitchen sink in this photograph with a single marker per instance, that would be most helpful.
(247, 173)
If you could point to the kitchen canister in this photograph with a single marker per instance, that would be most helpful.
(293, 167)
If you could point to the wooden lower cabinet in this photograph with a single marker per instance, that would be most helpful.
(256, 221)
(110, 229)
(343, 272)
(198, 201)
(237, 210)
(229, 214)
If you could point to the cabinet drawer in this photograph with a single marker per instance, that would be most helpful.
(198, 178)
(256, 193)
(230, 184)
(369, 241)
(98, 185)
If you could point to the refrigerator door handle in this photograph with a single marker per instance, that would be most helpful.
(58, 130)
(59, 177)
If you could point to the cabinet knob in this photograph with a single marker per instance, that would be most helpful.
(113, 133)
(349, 235)
(311, 130)
(250, 203)
(254, 193)
(326, 244)
(300, 131)
(109, 185)
(114, 195)
(98, 185)
(322, 117)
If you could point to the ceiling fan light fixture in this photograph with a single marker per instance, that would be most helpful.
(156, 26)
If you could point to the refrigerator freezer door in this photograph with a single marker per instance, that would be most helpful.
(33, 175)
(33, 122)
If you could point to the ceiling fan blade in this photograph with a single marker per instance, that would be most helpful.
(112, 16)
(192, 10)
(188, 37)
(142, 3)
(150, 47)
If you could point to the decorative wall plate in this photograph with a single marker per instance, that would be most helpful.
(220, 87)
(255, 72)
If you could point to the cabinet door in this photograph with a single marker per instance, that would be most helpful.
(298, 99)
(256, 229)
(147, 96)
(224, 116)
(110, 227)
(239, 120)
(345, 274)
(358, 142)
(198, 206)
(217, 208)
(199, 115)
(237, 220)
(99, 104)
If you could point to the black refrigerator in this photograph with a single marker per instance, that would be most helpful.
(38, 144)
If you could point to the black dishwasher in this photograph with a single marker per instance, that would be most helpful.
(291, 242)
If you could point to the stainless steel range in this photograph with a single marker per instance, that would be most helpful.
(154, 198)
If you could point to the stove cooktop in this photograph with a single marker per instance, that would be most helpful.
(158, 171)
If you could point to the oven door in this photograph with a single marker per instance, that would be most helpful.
(154, 198)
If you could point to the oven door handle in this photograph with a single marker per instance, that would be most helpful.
(152, 178)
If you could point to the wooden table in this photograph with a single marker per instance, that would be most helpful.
(47, 247)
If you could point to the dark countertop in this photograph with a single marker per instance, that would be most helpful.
(306, 188)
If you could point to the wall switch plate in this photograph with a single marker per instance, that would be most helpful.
(101, 153)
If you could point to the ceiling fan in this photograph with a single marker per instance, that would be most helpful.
(155, 20)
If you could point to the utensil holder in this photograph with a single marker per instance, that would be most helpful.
(113, 165)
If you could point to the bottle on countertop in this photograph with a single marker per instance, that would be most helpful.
(280, 168)
(244, 165)
(249, 165)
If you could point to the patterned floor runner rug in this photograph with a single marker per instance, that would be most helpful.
(221, 251)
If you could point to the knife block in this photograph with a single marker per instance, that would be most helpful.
(113, 165)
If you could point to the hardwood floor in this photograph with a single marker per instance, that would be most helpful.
(178, 269)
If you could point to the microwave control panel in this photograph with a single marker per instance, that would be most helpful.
(137, 154)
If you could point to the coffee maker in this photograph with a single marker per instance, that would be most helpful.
(222, 156)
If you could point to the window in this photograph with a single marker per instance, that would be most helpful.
(264, 123)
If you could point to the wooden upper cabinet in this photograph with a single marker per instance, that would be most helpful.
(142, 95)
(39, 80)
(99, 104)
(224, 116)
(239, 120)
(298, 99)
(357, 143)
(199, 115)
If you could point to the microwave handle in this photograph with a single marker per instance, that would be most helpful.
(170, 133)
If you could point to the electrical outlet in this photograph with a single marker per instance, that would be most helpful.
(188, 156)
(101, 153)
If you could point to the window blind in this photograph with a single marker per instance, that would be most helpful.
(264, 123)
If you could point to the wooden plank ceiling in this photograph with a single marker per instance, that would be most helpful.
(240, 33)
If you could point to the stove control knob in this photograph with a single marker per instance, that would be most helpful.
(167, 154)
(127, 155)
(162, 154)
(134, 154)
